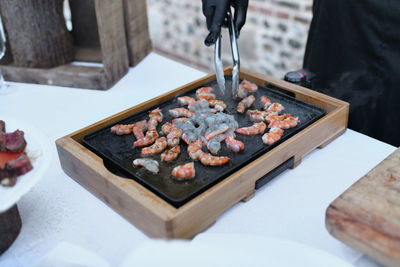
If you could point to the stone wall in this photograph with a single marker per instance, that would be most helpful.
(272, 40)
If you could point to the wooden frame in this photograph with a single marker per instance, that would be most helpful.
(156, 217)
(120, 43)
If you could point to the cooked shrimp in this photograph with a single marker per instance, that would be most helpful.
(246, 87)
(257, 115)
(275, 108)
(215, 130)
(272, 117)
(217, 104)
(210, 160)
(233, 144)
(174, 137)
(203, 90)
(287, 123)
(184, 172)
(150, 164)
(121, 129)
(139, 128)
(189, 137)
(245, 103)
(181, 112)
(272, 136)
(265, 102)
(186, 100)
(167, 127)
(155, 117)
(194, 149)
(150, 137)
(159, 145)
(206, 96)
(256, 128)
(171, 154)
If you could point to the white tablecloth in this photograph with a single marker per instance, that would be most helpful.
(291, 207)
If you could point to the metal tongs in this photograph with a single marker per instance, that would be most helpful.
(219, 69)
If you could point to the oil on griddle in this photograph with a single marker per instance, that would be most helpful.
(118, 152)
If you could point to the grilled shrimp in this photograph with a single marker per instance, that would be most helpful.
(257, 115)
(272, 117)
(121, 129)
(150, 137)
(174, 137)
(155, 117)
(272, 136)
(167, 127)
(171, 154)
(245, 103)
(256, 128)
(194, 149)
(214, 145)
(233, 144)
(206, 96)
(246, 87)
(265, 102)
(215, 130)
(217, 104)
(203, 90)
(275, 108)
(209, 160)
(181, 112)
(139, 128)
(150, 164)
(159, 145)
(287, 123)
(184, 172)
(186, 100)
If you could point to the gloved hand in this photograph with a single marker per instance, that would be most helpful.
(215, 13)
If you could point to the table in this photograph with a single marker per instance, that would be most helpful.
(292, 206)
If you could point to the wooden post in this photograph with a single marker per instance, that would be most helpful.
(37, 32)
(10, 225)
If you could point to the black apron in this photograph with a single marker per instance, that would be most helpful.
(353, 48)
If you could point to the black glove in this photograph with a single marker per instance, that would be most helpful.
(215, 12)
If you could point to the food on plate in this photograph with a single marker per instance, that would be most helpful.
(171, 154)
(215, 130)
(245, 103)
(206, 96)
(272, 136)
(256, 128)
(275, 108)
(194, 149)
(217, 104)
(272, 117)
(181, 112)
(287, 123)
(155, 117)
(13, 159)
(257, 115)
(233, 144)
(139, 128)
(265, 102)
(186, 100)
(121, 129)
(246, 87)
(159, 146)
(203, 90)
(149, 164)
(151, 136)
(184, 172)
(210, 160)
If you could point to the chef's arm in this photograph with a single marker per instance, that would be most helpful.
(215, 12)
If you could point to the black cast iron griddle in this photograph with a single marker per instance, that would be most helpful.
(118, 153)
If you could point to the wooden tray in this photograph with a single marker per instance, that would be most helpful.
(156, 217)
(367, 215)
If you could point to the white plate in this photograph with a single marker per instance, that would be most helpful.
(40, 153)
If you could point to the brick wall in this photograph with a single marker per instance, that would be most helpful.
(272, 40)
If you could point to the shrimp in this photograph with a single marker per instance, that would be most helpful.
(189, 136)
(272, 136)
(256, 128)
(150, 137)
(275, 108)
(139, 128)
(246, 87)
(194, 149)
(265, 102)
(174, 137)
(184, 172)
(203, 90)
(272, 117)
(287, 123)
(186, 100)
(181, 112)
(217, 104)
(159, 145)
(215, 130)
(257, 115)
(171, 154)
(206, 96)
(209, 160)
(245, 103)
(149, 164)
(233, 144)
(167, 127)
(214, 145)
(156, 117)
(121, 129)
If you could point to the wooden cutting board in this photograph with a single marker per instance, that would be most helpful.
(367, 215)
